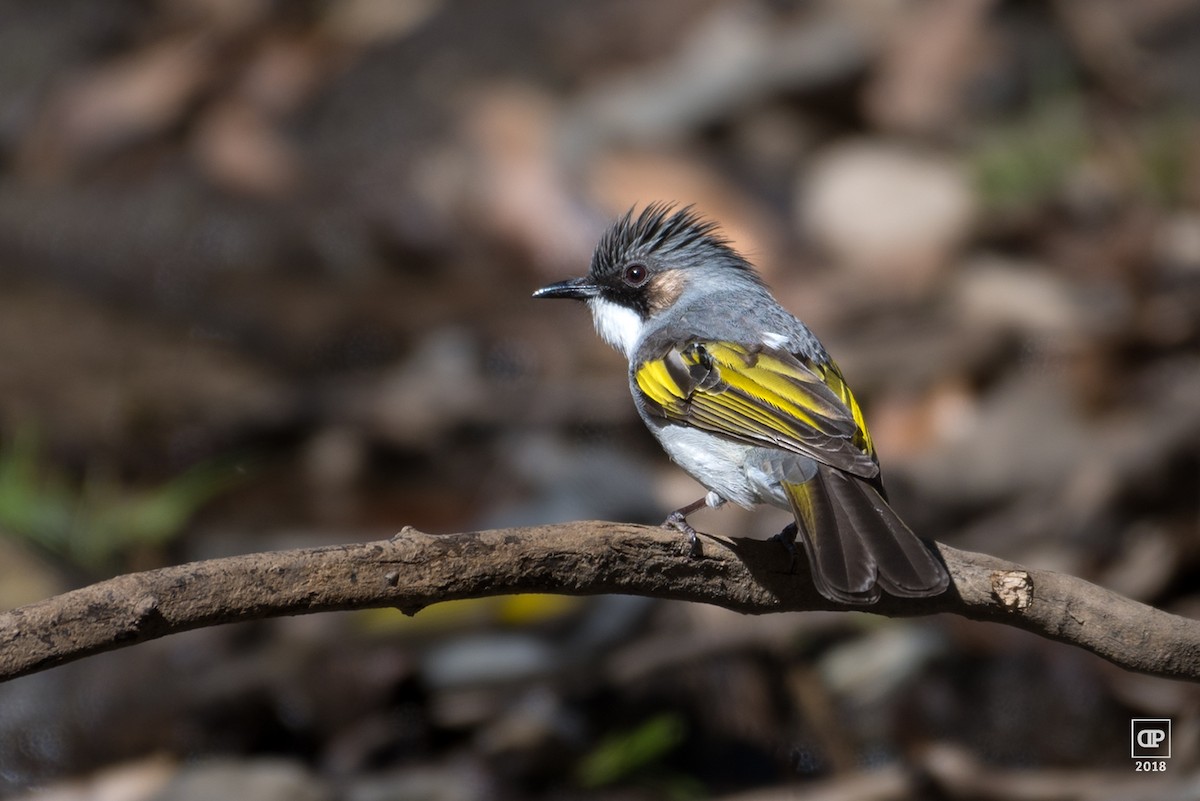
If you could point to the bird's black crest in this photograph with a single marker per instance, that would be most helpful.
(662, 229)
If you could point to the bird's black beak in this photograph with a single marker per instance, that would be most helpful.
(577, 288)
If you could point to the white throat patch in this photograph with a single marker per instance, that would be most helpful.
(616, 325)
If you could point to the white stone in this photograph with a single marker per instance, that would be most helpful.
(884, 209)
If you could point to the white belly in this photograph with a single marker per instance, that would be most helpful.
(717, 463)
(744, 474)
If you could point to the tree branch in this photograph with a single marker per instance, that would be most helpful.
(413, 570)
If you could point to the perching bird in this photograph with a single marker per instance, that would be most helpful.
(744, 397)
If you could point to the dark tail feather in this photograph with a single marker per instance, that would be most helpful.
(857, 545)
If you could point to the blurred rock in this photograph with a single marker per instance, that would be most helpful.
(535, 722)
(991, 291)
(143, 780)
(458, 780)
(1177, 244)
(25, 577)
(869, 668)
(893, 214)
(335, 460)
(489, 659)
(252, 780)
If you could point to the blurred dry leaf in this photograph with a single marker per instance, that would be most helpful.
(1099, 32)
(104, 108)
(918, 83)
(240, 150)
(366, 22)
(283, 73)
(221, 16)
(1145, 565)
(903, 425)
(730, 59)
(517, 189)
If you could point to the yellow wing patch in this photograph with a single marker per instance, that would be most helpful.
(832, 376)
(761, 396)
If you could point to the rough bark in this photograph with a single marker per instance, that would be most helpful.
(413, 570)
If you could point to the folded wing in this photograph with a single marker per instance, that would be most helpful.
(856, 544)
(761, 396)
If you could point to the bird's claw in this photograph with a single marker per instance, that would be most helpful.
(787, 538)
(678, 521)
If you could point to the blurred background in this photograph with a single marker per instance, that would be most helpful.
(266, 271)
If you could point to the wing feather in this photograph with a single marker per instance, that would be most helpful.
(762, 396)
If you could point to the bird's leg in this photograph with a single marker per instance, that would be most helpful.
(787, 538)
(678, 521)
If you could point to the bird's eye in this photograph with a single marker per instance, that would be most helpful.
(636, 274)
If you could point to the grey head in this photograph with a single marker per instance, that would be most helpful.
(651, 263)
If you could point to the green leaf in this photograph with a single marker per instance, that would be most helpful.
(622, 754)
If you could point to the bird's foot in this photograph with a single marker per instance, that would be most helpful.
(678, 521)
(787, 538)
